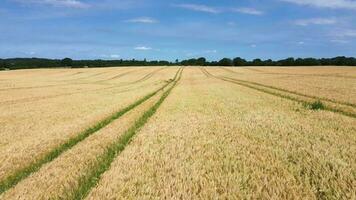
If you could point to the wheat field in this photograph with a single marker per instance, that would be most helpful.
(178, 133)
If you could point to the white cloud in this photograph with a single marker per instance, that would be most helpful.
(340, 41)
(57, 3)
(350, 33)
(301, 43)
(334, 4)
(114, 56)
(31, 53)
(143, 48)
(345, 33)
(145, 20)
(210, 51)
(253, 45)
(111, 56)
(199, 8)
(249, 11)
(214, 10)
(316, 21)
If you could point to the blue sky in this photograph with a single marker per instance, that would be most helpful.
(158, 29)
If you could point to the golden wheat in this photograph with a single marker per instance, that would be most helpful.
(30, 129)
(55, 179)
(213, 139)
(210, 139)
(328, 82)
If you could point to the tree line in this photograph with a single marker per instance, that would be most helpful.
(337, 61)
(31, 63)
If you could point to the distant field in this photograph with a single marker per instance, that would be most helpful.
(178, 133)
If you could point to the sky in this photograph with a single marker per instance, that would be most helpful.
(169, 30)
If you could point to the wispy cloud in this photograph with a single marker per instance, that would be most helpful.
(315, 21)
(215, 10)
(211, 51)
(345, 33)
(199, 8)
(143, 48)
(117, 4)
(144, 20)
(114, 56)
(56, 3)
(340, 41)
(249, 11)
(334, 4)
(110, 56)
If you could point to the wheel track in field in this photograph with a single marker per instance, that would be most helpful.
(103, 80)
(73, 74)
(33, 99)
(56, 85)
(116, 76)
(292, 92)
(91, 76)
(111, 78)
(205, 73)
(14, 178)
(291, 74)
(290, 96)
(64, 84)
(148, 76)
(92, 178)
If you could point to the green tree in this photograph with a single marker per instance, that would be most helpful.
(239, 61)
(269, 62)
(225, 62)
(287, 62)
(67, 62)
(201, 61)
(257, 62)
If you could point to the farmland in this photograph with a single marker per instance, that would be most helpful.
(178, 133)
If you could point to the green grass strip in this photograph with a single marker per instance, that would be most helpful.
(23, 173)
(104, 162)
(308, 104)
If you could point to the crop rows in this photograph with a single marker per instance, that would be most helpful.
(212, 139)
(210, 133)
(113, 149)
(260, 71)
(146, 77)
(292, 92)
(347, 109)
